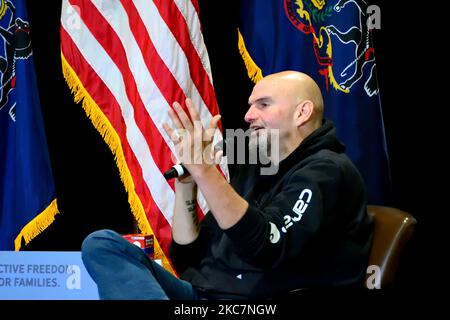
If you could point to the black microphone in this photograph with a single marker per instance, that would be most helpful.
(178, 170)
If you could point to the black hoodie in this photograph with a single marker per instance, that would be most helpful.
(306, 226)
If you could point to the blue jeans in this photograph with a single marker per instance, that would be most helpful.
(123, 271)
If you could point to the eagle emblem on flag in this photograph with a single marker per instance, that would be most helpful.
(15, 43)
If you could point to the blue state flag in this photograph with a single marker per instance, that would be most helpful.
(330, 41)
(27, 192)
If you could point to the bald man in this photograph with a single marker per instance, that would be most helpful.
(265, 235)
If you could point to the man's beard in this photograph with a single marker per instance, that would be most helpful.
(260, 146)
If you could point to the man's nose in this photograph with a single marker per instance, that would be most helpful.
(251, 115)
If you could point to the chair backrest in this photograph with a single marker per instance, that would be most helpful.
(392, 229)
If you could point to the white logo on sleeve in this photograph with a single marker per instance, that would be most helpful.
(299, 208)
(274, 233)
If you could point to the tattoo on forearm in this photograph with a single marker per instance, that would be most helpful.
(191, 207)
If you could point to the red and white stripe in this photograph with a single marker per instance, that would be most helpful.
(135, 58)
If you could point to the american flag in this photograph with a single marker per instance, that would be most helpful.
(128, 61)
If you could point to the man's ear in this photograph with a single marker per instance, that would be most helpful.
(303, 112)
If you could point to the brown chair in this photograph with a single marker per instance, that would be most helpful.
(392, 230)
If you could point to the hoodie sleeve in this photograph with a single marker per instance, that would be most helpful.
(279, 231)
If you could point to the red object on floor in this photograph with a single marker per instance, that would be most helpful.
(143, 241)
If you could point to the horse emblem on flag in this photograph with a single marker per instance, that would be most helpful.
(344, 52)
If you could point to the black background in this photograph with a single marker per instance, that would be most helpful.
(91, 195)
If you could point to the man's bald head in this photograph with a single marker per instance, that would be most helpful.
(299, 87)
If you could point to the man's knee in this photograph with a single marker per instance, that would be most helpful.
(98, 241)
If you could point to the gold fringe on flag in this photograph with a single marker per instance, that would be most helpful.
(253, 71)
(109, 134)
(37, 225)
